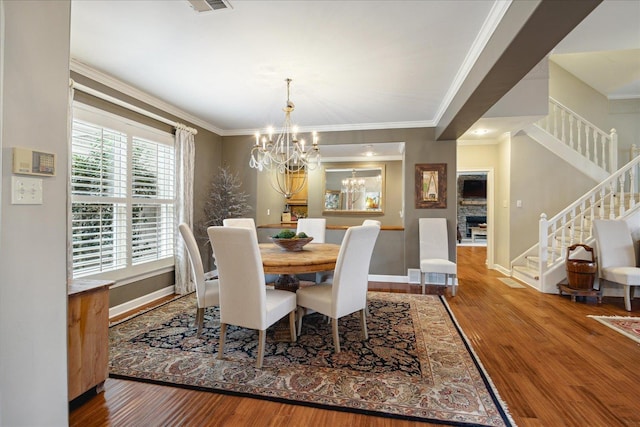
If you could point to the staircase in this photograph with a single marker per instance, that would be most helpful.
(595, 153)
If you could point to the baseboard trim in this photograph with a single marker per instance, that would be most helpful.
(140, 301)
(501, 269)
(386, 278)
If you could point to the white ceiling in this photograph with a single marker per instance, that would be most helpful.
(354, 64)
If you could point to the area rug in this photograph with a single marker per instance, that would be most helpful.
(627, 326)
(416, 363)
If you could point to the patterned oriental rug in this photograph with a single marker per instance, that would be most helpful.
(628, 326)
(416, 364)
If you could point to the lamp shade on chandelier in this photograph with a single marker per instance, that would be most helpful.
(287, 156)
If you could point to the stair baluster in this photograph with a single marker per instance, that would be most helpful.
(612, 198)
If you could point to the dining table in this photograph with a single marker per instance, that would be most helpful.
(314, 257)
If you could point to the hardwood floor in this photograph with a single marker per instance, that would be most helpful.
(551, 364)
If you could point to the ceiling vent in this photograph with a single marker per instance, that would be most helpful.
(209, 5)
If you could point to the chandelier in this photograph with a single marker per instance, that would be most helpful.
(353, 188)
(287, 157)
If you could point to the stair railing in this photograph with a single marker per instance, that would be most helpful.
(611, 199)
(581, 135)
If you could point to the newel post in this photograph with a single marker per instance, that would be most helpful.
(613, 150)
(542, 243)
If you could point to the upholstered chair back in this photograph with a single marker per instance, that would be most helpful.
(313, 227)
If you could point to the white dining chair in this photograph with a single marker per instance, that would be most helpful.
(207, 290)
(316, 228)
(348, 292)
(250, 224)
(372, 222)
(617, 262)
(244, 299)
(313, 227)
(241, 222)
(434, 252)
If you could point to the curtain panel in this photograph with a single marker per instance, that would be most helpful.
(185, 159)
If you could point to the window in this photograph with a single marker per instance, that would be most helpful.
(122, 196)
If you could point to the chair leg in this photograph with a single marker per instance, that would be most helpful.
(292, 325)
(454, 286)
(363, 319)
(301, 313)
(336, 337)
(199, 321)
(262, 338)
(627, 297)
(223, 332)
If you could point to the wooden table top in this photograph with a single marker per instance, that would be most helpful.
(312, 258)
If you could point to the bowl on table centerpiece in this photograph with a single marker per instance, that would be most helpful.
(290, 241)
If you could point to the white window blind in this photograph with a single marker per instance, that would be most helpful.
(122, 195)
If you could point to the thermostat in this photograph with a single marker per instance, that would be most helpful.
(31, 162)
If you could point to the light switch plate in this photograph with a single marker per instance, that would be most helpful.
(26, 191)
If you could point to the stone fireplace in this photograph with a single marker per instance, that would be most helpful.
(474, 221)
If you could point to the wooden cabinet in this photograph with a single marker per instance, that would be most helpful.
(88, 335)
(301, 197)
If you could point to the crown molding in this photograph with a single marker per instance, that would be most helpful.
(346, 127)
(490, 24)
(136, 93)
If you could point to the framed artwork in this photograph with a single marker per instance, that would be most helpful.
(331, 200)
(431, 185)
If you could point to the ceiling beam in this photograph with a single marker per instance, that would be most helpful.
(527, 33)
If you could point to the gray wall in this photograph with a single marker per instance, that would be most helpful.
(420, 147)
(33, 280)
(392, 202)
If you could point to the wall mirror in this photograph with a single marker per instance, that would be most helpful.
(354, 189)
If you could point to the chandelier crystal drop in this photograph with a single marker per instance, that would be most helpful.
(287, 157)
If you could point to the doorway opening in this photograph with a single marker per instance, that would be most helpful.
(472, 208)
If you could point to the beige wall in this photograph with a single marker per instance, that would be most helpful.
(502, 217)
(622, 115)
(33, 278)
(544, 183)
(578, 96)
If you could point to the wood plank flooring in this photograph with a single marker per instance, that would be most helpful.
(551, 364)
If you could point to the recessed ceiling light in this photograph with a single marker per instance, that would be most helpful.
(369, 151)
(480, 131)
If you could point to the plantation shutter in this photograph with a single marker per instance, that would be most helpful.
(98, 188)
(122, 196)
(153, 193)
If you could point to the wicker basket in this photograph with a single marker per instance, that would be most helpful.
(292, 245)
(581, 273)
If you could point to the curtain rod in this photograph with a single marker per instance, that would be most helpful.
(121, 103)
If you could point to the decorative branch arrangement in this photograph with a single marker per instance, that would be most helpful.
(225, 201)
